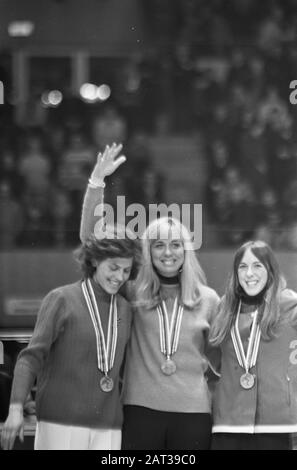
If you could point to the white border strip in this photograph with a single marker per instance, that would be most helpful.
(259, 428)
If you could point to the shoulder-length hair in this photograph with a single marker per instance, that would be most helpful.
(116, 242)
(147, 284)
(269, 310)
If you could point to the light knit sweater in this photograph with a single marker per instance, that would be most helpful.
(144, 383)
(185, 391)
(62, 354)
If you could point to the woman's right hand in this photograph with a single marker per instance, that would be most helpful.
(13, 426)
(107, 162)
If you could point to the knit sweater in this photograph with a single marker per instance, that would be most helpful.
(185, 391)
(62, 354)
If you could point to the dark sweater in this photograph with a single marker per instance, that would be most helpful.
(62, 355)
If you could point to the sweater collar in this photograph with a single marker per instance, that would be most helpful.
(100, 293)
(249, 303)
(168, 281)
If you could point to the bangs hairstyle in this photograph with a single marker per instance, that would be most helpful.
(147, 284)
(269, 310)
(116, 242)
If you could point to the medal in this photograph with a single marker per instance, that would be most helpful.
(247, 380)
(105, 349)
(168, 367)
(248, 360)
(169, 334)
(106, 384)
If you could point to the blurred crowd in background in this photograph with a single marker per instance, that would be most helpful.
(220, 72)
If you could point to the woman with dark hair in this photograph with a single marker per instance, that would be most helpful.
(76, 353)
(255, 401)
(165, 390)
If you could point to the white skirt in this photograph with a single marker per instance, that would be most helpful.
(51, 436)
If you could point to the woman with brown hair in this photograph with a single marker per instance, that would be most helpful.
(76, 353)
(255, 402)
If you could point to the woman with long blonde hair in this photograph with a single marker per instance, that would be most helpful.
(148, 283)
(165, 392)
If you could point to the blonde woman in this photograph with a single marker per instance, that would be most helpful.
(166, 398)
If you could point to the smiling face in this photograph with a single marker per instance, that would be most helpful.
(112, 273)
(167, 253)
(252, 274)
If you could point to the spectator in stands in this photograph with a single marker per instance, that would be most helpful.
(56, 137)
(34, 165)
(272, 109)
(38, 228)
(9, 171)
(271, 31)
(230, 65)
(11, 217)
(290, 202)
(76, 161)
(281, 148)
(256, 78)
(65, 230)
(108, 127)
(268, 218)
(218, 161)
(219, 127)
(236, 198)
(253, 156)
(143, 183)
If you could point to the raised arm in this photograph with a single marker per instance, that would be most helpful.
(107, 163)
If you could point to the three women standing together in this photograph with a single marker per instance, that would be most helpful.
(179, 327)
(167, 404)
(253, 329)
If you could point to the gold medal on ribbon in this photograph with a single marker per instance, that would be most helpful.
(248, 360)
(168, 367)
(106, 384)
(169, 334)
(105, 349)
(247, 380)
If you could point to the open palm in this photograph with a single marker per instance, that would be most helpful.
(108, 161)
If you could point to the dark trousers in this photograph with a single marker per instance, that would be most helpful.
(234, 441)
(146, 429)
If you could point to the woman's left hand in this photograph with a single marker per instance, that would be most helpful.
(108, 162)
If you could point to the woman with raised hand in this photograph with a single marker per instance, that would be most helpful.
(166, 399)
(255, 402)
(76, 353)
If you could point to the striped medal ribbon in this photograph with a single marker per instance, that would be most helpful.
(169, 334)
(248, 360)
(105, 349)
